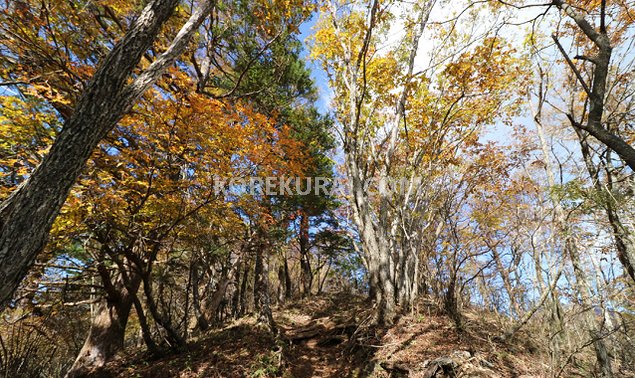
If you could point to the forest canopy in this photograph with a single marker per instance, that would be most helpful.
(170, 168)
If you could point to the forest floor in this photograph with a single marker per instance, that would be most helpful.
(330, 336)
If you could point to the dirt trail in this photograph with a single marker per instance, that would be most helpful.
(319, 331)
(330, 336)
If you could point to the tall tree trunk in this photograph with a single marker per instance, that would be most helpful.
(202, 322)
(451, 304)
(246, 295)
(624, 241)
(261, 291)
(376, 249)
(377, 226)
(27, 215)
(305, 259)
(237, 293)
(288, 285)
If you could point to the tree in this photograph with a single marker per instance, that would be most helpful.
(106, 98)
(405, 123)
(149, 182)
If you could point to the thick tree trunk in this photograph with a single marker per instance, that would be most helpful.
(377, 225)
(213, 304)
(28, 214)
(452, 305)
(107, 330)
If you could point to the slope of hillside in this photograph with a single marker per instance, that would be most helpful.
(331, 336)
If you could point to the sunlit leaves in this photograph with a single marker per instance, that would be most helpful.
(27, 127)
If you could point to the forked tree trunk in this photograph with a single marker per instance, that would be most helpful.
(597, 92)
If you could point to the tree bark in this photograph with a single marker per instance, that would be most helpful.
(108, 327)
(246, 295)
(377, 224)
(173, 337)
(261, 291)
(201, 319)
(305, 262)
(288, 286)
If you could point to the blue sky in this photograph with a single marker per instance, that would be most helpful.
(317, 74)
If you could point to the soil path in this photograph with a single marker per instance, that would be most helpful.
(319, 330)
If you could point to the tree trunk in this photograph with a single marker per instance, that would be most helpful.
(288, 286)
(107, 330)
(377, 226)
(507, 284)
(261, 291)
(236, 297)
(27, 215)
(377, 255)
(213, 305)
(451, 304)
(246, 295)
(326, 275)
(201, 320)
(305, 259)
(624, 242)
(145, 328)
(173, 337)
(597, 92)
